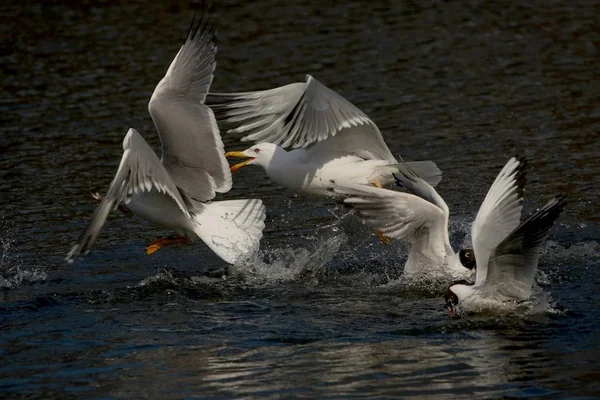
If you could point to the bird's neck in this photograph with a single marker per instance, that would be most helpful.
(456, 268)
(427, 251)
(283, 166)
(462, 291)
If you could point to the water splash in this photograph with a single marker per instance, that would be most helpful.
(12, 273)
(539, 303)
(342, 253)
(289, 263)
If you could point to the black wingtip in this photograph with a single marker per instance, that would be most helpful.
(540, 222)
(202, 24)
(558, 204)
(198, 5)
(191, 28)
(562, 199)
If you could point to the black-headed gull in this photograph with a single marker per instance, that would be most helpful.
(422, 220)
(506, 263)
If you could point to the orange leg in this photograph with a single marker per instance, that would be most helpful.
(384, 239)
(158, 243)
(376, 183)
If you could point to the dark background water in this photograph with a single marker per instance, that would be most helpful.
(319, 312)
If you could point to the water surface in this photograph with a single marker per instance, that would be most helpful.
(320, 312)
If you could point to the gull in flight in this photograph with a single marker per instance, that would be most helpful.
(331, 141)
(176, 191)
(421, 219)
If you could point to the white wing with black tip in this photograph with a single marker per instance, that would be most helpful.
(192, 149)
(513, 263)
(499, 214)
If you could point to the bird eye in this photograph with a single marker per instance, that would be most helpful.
(257, 150)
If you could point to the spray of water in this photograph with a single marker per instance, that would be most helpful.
(345, 252)
(288, 263)
(12, 272)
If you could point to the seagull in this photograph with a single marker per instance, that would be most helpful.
(420, 218)
(506, 263)
(505, 252)
(331, 141)
(176, 191)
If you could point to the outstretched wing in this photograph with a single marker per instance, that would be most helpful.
(140, 170)
(299, 115)
(192, 149)
(396, 214)
(513, 264)
(499, 214)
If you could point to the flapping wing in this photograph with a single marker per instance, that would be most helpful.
(296, 116)
(499, 214)
(192, 149)
(513, 264)
(140, 170)
(396, 214)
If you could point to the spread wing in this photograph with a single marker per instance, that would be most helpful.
(192, 149)
(396, 214)
(299, 115)
(513, 263)
(499, 214)
(140, 170)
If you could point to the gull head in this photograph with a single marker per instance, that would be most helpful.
(260, 154)
(467, 258)
(451, 300)
(460, 288)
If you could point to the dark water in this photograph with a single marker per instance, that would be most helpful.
(320, 312)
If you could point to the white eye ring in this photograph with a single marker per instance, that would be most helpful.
(257, 150)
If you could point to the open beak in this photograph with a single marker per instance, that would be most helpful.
(238, 154)
(450, 308)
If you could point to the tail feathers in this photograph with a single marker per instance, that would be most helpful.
(232, 228)
(426, 170)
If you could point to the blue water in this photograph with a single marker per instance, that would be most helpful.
(320, 312)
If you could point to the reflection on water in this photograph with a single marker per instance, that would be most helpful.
(482, 363)
(174, 336)
(321, 311)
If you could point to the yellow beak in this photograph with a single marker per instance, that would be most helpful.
(240, 155)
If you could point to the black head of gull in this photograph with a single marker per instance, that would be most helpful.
(451, 298)
(467, 258)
